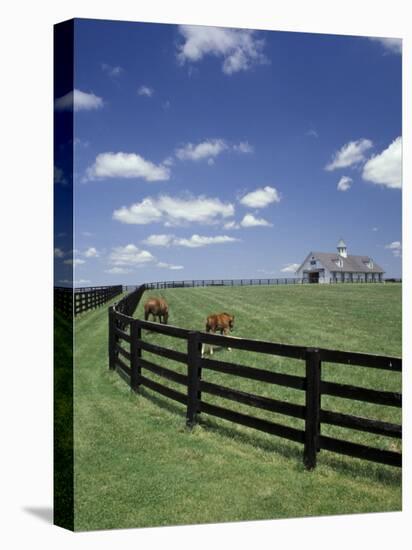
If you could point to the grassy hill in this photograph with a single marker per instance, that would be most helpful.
(137, 465)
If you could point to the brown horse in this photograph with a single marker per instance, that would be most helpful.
(158, 308)
(223, 322)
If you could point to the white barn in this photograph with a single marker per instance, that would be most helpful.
(325, 267)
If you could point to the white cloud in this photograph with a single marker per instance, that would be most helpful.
(250, 220)
(349, 154)
(206, 149)
(290, 268)
(58, 253)
(386, 167)
(75, 282)
(58, 176)
(174, 211)
(312, 133)
(390, 45)
(210, 149)
(374, 229)
(130, 255)
(110, 70)
(243, 147)
(145, 91)
(344, 183)
(231, 225)
(76, 261)
(266, 271)
(168, 161)
(79, 101)
(91, 252)
(159, 240)
(396, 248)
(126, 165)
(169, 266)
(195, 241)
(261, 197)
(77, 142)
(140, 213)
(117, 270)
(240, 49)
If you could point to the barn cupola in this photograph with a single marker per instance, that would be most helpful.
(342, 250)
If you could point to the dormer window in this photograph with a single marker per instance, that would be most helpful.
(339, 262)
(368, 262)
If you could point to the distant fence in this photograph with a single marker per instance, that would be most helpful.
(192, 283)
(71, 301)
(134, 368)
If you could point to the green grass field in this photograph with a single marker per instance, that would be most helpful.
(137, 465)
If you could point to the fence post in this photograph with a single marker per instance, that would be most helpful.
(112, 339)
(193, 377)
(313, 395)
(135, 355)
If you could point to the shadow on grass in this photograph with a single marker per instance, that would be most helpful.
(363, 469)
(164, 403)
(355, 468)
(210, 425)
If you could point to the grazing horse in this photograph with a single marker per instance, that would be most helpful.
(158, 308)
(222, 322)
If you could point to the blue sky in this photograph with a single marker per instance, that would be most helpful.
(209, 152)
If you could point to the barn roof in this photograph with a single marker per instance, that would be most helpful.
(352, 263)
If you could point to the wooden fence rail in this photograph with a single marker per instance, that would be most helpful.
(72, 301)
(194, 283)
(132, 366)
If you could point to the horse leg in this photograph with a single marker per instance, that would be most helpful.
(225, 332)
(211, 345)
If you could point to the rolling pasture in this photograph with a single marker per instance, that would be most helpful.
(137, 464)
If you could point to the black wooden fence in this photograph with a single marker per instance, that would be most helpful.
(132, 365)
(192, 283)
(71, 301)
